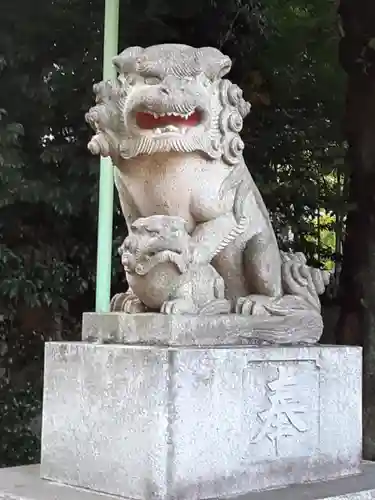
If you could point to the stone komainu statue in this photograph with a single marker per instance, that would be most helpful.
(171, 124)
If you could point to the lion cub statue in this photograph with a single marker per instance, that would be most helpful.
(160, 276)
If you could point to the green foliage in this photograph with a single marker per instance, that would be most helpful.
(20, 442)
(284, 56)
(294, 139)
(20, 395)
(324, 242)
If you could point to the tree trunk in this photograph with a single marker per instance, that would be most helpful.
(356, 324)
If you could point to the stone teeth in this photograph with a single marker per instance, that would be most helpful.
(171, 128)
(171, 113)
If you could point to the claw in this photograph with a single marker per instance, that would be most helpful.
(127, 303)
(244, 306)
(177, 306)
(253, 305)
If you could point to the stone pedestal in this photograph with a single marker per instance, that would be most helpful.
(24, 483)
(189, 330)
(184, 422)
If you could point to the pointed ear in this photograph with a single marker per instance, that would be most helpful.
(178, 223)
(126, 61)
(214, 63)
(137, 224)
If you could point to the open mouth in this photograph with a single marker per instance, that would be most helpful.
(168, 122)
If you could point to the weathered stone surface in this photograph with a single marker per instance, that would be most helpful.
(188, 330)
(200, 239)
(24, 483)
(162, 422)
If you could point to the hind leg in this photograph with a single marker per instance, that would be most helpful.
(262, 269)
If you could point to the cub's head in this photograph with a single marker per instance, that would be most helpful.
(151, 235)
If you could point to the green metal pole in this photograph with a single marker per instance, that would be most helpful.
(106, 184)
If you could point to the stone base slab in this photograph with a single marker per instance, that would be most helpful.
(197, 423)
(188, 330)
(24, 483)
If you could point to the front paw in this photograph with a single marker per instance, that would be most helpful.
(253, 305)
(198, 255)
(178, 306)
(128, 303)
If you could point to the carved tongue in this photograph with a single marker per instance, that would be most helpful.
(148, 121)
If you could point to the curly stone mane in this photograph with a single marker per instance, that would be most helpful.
(227, 107)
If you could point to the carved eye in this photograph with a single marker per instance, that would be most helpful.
(152, 80)
(130, 80)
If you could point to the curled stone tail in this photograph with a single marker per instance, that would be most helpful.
(302, 280)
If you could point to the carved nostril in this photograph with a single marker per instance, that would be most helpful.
(164, 90)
